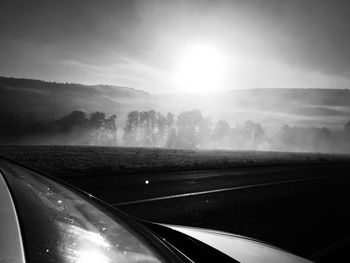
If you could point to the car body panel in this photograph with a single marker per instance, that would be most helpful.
(240, 248)
(59, 224)
(11, 248)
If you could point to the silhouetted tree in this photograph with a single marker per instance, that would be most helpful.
(74, 120)
(97, 119)
(147, 128)
(162, 128)
(191, 128)
(130, 136)
(170, 119)
(221, 134)
(254, 132)
(171, 141)
(108, 134)
(148, 120)
(96, 123)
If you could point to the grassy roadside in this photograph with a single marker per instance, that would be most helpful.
(67, 161)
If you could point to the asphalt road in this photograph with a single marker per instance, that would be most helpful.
(303, 208)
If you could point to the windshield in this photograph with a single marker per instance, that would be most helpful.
(60, 225)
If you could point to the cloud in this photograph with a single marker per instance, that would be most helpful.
(289, 43)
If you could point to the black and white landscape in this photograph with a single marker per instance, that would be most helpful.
(229, 115)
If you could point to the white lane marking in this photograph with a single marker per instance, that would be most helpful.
(224, 190)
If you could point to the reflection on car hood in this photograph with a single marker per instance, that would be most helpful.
(240, 248)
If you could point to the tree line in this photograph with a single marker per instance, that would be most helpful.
(74, 128)
(188, 130)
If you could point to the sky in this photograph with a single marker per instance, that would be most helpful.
(178, 46)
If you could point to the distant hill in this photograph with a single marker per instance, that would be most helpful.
(270, 107)
(55, 99)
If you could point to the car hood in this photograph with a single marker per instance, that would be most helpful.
(243, 249)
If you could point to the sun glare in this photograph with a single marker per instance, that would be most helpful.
(201, 68)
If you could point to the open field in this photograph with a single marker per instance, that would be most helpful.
(69, 161)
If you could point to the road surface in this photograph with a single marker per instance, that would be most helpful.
(300, 208)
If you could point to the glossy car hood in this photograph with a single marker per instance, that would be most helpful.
(240, 248)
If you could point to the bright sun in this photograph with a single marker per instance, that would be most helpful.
(201, 68)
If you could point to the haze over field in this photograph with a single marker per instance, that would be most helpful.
(38, 112)
(271, 107)
(305, 107)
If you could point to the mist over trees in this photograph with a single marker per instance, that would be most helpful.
(74, 128)
(188, 130)
(193, 131)
(147, 128)
(268, 106)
